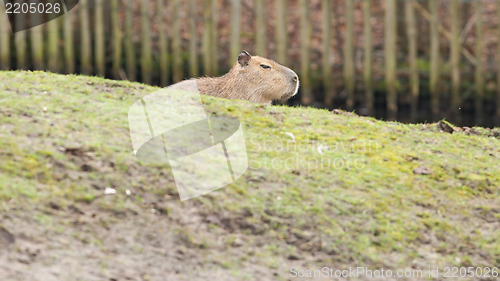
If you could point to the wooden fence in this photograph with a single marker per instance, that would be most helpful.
(392, 55)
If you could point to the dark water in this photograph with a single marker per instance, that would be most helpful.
(465, 117)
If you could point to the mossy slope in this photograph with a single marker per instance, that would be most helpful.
(321, 189)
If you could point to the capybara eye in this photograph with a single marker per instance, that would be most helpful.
(265, 66)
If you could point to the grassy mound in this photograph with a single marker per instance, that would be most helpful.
(322, 189)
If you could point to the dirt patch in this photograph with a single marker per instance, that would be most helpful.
(94, 245)
(421, 170)
(343, 112)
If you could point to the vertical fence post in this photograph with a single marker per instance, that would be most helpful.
(455, 56)
(305, 60)
(367, 58)
(435, 59)
(117, 38)
(214, 42)
(390, 59)
(86, 50)
(326, 52)
(209, 38)
(260, 33)
(146, 60)
(37, 48)
(337, 31)
(53, 45)
(20, 43)
(69, 53)
(99, 38)
(4, 40)
(411, 34)
(178, 70)
(193, 40)
(479, 71)
(349, 53)
(281, 32)
(235, 30)
(130, 54)
(207, 26)
(163, 44)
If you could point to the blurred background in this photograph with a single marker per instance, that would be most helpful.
(405, 60)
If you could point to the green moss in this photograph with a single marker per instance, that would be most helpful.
(345, 185)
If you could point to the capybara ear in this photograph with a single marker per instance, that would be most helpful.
(244, 58)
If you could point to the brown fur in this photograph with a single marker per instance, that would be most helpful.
(248, 80)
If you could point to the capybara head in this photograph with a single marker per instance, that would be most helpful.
(265, 78)
(252, 78)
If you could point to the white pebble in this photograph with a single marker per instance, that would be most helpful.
(109, 191)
